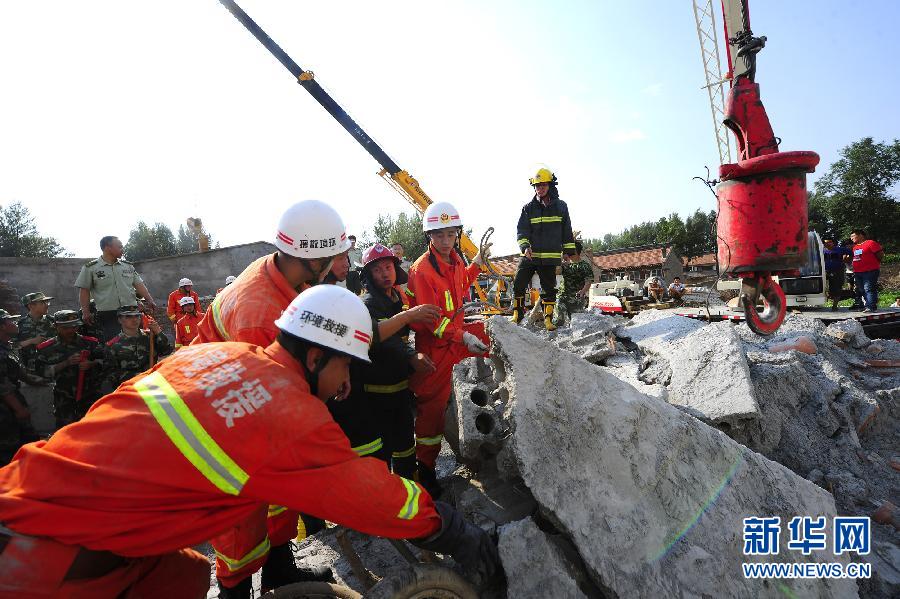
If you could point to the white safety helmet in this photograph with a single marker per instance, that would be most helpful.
(440, 215)
(332, 317)
(185, 281)
(230, 279)
(185, 300)
(311, 229)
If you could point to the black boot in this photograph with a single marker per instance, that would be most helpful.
(244, 590)
(281, 569)
(427, 477)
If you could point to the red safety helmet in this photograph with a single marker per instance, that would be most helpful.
(379, 252)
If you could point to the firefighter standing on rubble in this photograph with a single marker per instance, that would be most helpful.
(209, 437)
(310, 237)
(440, 277)
(544, 235)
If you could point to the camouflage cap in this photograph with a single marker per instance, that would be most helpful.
(66, 318)
(4, 315)
(128, 311)
(37, 296)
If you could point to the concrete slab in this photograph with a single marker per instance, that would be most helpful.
(653, 499)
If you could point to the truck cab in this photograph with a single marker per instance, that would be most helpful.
(810, 288)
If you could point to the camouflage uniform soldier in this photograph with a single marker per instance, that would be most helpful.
(34, 328)
(577, 277)
(60, 358)
(128, 353)
(15, 419)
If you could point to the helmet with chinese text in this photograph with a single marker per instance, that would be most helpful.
(331, 317)
(311, 229)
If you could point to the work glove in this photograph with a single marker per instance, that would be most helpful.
(474, 344)
(471, 547)
(482, 256)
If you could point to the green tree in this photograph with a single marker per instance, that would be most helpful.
(145, 242)
(404, 228)
(691, 237)
(855, 192)
(19, 236)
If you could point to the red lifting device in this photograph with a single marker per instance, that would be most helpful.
(762, 224)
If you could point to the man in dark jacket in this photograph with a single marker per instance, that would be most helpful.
(544, 234)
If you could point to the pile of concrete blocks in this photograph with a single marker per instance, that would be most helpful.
(619, 458)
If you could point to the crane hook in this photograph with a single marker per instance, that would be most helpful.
(761, 285)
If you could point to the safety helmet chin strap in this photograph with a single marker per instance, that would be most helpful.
(312, 376)
(318, 275)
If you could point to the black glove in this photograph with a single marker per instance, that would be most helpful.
(470, 546)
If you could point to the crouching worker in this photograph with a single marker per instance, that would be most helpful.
(211, 435)
(440, 277)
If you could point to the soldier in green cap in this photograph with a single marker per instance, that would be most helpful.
(34, 327)
(577, 278)
(128, 353)
(61, 358)
(15, 419)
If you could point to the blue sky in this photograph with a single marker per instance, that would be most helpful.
(112, 112)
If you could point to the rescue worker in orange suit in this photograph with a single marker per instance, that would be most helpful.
(544, 234)
(441, 277)
(212, 435)
(186, 325)
(185, 289)
(309, 238)
(228, 281)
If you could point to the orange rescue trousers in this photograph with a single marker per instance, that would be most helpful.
(39, 568)
(244, 549)
(433, 394)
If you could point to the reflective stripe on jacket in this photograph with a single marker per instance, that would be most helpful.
(173, 310)
(547, 230)
(247, 309)
(446, 290)
(198, 444)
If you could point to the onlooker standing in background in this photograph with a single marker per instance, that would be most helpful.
(111, 282)
(62, 358)
(834, 270)
(15, 419)
(354, 282)
(34, 327)
(399, 251)
(867, 255)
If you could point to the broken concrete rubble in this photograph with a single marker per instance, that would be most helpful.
(523, 546)
(702, 367)
(652, 498)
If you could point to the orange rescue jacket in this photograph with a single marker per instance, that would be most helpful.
(173, 310)
(445, 288)
(247, 309)
(181, 454)
(186, 329)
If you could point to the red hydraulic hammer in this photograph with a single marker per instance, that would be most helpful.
(762, 224)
